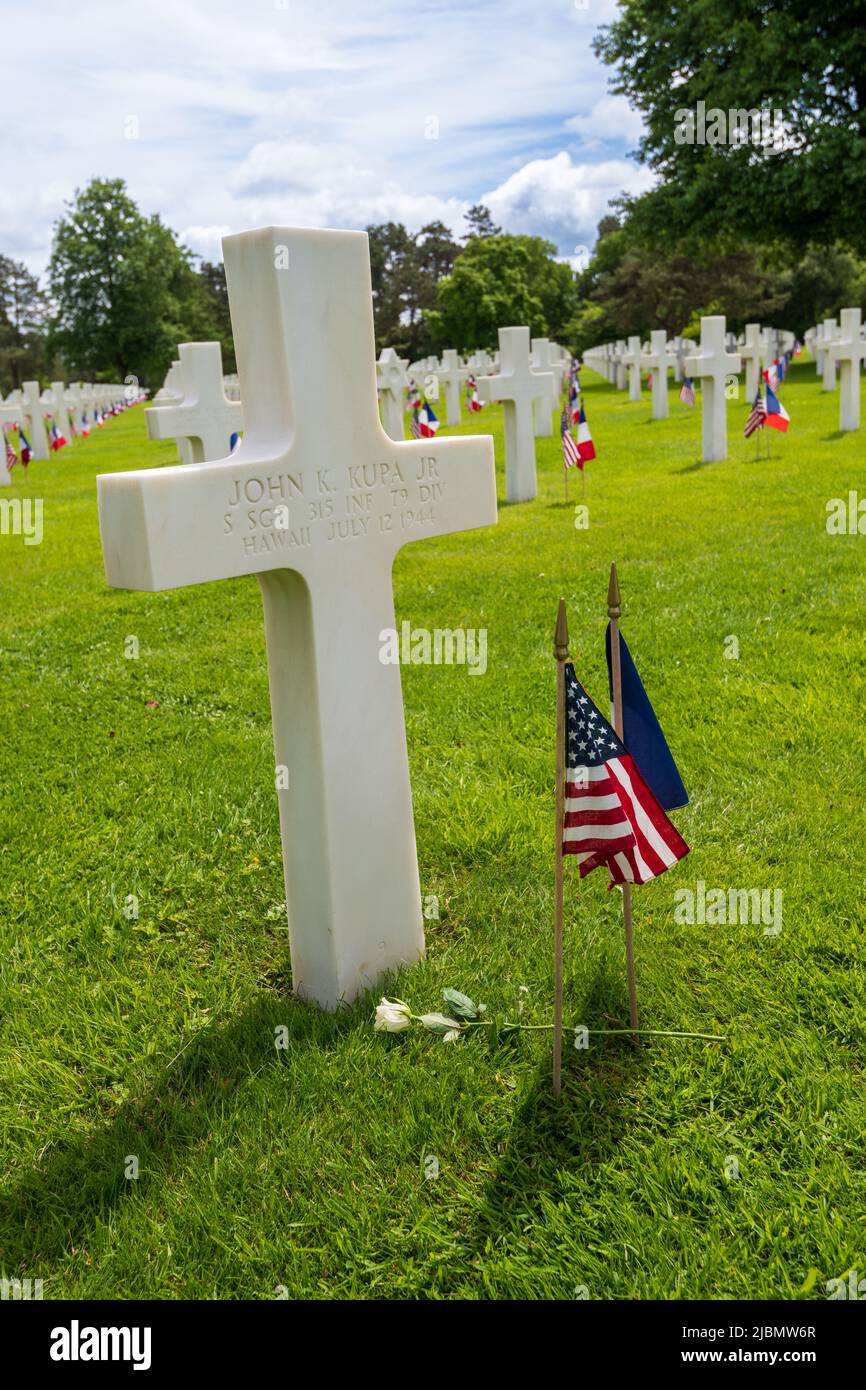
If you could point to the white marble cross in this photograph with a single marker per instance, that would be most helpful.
(34, 428)
(316, 504)
(543, 361)
(751, 352)
(631, 358)
(711, 365)
(60, 411)
(392, 381)
(828, 370)
(481, 362)
(517, 385)
(619, 352)
(204, 416)
(849, 350)
(657, 361)
(451, 376)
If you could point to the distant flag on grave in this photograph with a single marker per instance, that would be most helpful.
(413, 398)
(780, 365)
(777, 416)
(797, 348)
(11, 456)
(472, 401)
(428, 422)
(757, 416)
(85, 425)
(57, 440)
(612, 819)
(585, 446)
(570, 452)
(24, 445)
(642, 732)
(687, 392)
(771, 375)
(574, 402)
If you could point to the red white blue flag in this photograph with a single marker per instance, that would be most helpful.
(612, 819)
(777, 416)
(585, 446)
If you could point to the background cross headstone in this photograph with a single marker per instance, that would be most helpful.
(711, 365)
(751, 352)
(451, 376)
(657, 361)
(517, 386)
(543, 361)
(392, 381)
(36, 409)
(828, 370)
(849, 350)
(204, 416)
(317, 515)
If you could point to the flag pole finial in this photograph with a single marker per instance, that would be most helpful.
(614, 609)
(560, 637)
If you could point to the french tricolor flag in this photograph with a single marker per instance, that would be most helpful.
(427, 421)
(585, 446)
(777, 416)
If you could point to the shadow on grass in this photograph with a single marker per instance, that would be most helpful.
(551, 1138)
(697, 466)
(52, 1209)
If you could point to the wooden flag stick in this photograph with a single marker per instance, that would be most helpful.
(560, 651)
(613, 612)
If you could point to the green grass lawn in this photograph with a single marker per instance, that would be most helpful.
(303, 1171)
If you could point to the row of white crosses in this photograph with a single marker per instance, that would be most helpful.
(350, 500)
(450, 376)
(35, 410)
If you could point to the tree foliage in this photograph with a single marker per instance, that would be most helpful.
(22, 316)
(125, 293)
(806, 61)
(498, 281)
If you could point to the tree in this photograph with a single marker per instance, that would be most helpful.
(820, 284)
(125, 292)
(500, 280)
(805, 61)
(638, 290)
(406, 271)
(22, 314)
(216, 295)
(391, 252)
(480, 222)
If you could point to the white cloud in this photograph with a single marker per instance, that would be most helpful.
(611, 120)
(561, 200)
(316, 112)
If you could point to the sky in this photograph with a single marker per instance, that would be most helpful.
(222, 116)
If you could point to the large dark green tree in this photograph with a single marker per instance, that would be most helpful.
(22, 316)
(125, 292)
(802, 58)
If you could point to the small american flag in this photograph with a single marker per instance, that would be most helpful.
(570, 452)
(687, 394)
(415, 425)
(11, 456)
(612, 819)
(757, 416)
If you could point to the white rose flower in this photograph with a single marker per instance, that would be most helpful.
(392, 1016)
